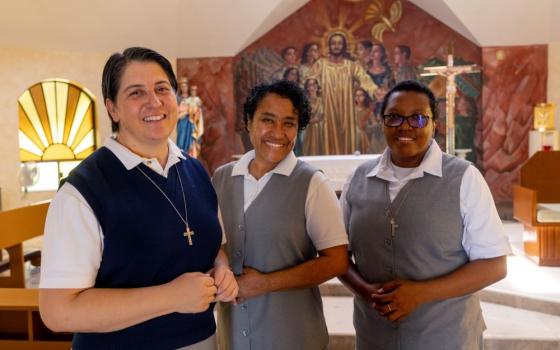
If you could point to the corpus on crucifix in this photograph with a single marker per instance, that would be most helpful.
(450, 72)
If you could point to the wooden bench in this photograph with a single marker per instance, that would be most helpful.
(539, 184)
(21, 327)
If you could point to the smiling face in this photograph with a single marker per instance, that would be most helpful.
(145, 107)
(273, 130)
(408, 145)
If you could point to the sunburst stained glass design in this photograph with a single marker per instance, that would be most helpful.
(56, 122)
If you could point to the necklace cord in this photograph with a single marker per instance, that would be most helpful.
(185, 220)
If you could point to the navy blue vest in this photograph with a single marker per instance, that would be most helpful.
(144, 243)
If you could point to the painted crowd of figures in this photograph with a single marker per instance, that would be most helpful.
(345, 91)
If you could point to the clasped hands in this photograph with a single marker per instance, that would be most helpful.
(396, 299)
(225, 283)
(193, 292)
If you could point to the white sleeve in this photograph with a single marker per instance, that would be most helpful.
(346, 207)
(224, 240)
(484, 236)
(323, 214)
(73, 242)
(344, 203)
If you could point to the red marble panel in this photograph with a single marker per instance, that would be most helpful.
(214, 78)
(514, 81)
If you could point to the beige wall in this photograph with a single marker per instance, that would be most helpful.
(21, 68)
(553, 93)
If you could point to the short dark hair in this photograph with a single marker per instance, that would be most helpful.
(116, 64)
(412, 86)
(285, 50)
(367, 44)
(405, 51)
(285, 89)
(288, 70)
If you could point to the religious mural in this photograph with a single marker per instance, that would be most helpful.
(397, 49)
(346, 56)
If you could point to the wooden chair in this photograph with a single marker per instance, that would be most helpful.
(539, 183)
(21, 327)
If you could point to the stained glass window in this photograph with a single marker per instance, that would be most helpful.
(56, 124)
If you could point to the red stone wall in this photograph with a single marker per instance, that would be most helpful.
(214, 78)
(514, 81)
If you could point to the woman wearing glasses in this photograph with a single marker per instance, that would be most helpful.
(424, 233)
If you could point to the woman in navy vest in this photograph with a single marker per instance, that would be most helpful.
(132, 256)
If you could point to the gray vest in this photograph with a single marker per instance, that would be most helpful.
(426, 244)
(270, 236)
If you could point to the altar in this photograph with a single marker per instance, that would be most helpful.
(337, 168)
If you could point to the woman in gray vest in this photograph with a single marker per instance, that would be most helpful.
(284, 229)
(424, 234)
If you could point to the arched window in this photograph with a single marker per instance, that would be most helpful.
(56, 131)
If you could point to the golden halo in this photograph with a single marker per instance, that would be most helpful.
(350, 40)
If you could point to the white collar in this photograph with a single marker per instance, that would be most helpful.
(285, 167)
(431, 164)
(130, 159)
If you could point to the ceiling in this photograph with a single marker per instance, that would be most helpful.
(214, 28)
(499, 22)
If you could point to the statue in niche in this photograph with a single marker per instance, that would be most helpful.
(185, 127)
(194, 110)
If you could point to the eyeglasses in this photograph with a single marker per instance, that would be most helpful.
(415, 121)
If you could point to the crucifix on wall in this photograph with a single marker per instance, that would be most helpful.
(450, 72)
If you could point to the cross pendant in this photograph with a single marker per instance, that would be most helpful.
(189, 233)
(394, 227)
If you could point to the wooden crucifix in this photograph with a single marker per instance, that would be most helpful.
(450, 72)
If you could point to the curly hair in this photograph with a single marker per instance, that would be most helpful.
(285, 89)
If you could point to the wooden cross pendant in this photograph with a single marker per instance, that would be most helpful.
(189, 233)
(394, 227)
